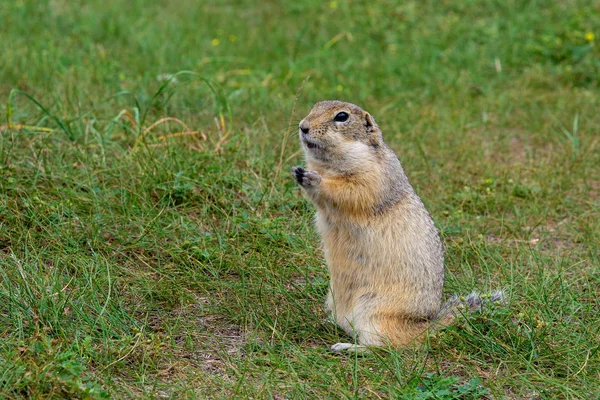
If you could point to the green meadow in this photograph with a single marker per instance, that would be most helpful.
(154, 245)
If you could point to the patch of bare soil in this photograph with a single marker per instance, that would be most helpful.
(552, 238)
(209, 341)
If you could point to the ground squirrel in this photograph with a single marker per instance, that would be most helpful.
(384, 254)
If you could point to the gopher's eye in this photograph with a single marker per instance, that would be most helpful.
(341, 117)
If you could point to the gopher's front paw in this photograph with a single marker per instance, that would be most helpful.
(306, 178)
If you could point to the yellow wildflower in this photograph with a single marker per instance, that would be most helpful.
(333, 5)
(589, 36)
(215, 42)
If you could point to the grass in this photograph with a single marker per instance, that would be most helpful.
(153, 244)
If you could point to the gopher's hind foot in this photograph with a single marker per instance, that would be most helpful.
(348, 347)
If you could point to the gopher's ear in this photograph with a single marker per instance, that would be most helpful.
(370, 123)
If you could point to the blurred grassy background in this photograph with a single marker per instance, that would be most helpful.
(152, 243)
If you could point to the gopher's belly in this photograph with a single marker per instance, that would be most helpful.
(384, 267)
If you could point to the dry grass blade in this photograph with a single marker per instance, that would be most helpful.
(187, 131)
(286, 136)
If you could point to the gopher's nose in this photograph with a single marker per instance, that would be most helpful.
(304, 127)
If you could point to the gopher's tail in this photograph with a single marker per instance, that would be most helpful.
(471, 303)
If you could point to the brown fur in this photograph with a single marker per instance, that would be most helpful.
(383, 251)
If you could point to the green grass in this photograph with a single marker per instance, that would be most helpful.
(144, 257)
